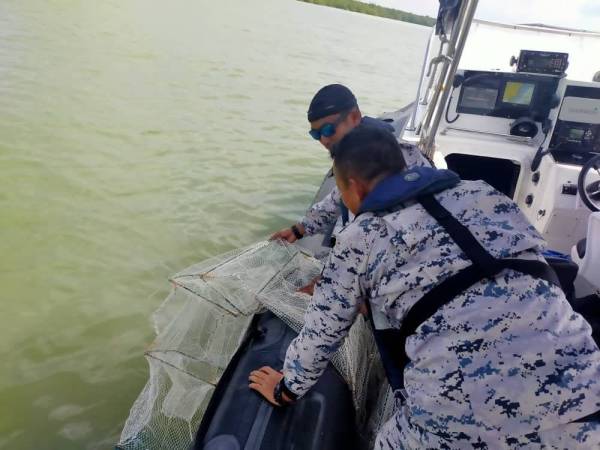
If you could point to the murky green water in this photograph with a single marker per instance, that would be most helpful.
(139, 137)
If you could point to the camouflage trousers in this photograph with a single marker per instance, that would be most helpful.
(399, 434)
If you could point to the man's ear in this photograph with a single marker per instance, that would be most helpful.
(359, 187)
(355, 116)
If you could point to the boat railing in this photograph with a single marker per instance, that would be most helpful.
(448, 57)
(411, 123)
(510, 137)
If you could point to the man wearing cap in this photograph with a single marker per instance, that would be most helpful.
(333, 113)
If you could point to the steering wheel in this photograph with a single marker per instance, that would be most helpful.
(590, 193)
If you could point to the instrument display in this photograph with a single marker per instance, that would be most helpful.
(507, 95)
(549, 63)
(480, 98)
(576, 136)
(518, 93)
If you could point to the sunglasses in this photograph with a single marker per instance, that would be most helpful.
(327, 129)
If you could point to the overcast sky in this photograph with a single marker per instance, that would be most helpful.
(567, 13)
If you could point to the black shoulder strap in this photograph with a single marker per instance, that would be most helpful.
(391, 342)
(486, 264)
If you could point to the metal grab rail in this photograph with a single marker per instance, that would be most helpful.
(411, 124)
(450, 51)
(449, 61)
(510, 137)
(433, 64)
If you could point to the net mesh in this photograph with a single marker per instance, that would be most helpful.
(202, 323)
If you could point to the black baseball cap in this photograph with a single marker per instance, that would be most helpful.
(331, 99)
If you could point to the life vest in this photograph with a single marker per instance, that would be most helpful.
(419, 184)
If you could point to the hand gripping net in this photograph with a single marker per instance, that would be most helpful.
(201, 324)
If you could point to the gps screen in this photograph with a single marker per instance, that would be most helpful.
(576, 134)
(518, 93)
(479, 98)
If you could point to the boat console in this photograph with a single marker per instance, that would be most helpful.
(528, 132)
(532, 101)
(507, 95)
(576, 136)
(494, 122)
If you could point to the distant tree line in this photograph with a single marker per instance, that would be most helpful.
(375, 10)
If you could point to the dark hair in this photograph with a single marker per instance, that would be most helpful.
(367, 152)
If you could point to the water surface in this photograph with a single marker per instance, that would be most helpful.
(136, 138)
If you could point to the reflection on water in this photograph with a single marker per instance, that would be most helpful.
(137, 138)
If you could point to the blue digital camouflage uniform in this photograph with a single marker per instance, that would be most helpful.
(322, 215)
(506, 364)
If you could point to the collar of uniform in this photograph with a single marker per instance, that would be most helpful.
(377, 123)
(404, 186)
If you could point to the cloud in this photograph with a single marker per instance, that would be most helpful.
(591, 8)
(550, 12)
(566, 13)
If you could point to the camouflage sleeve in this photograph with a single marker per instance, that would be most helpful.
(330, 315)
(322, 214)
(413, 156)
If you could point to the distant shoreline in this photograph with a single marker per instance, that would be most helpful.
(375, 10)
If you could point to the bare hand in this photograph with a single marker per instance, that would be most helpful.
(362, 309)
(310, 287)
(264, 381)
(287, 234)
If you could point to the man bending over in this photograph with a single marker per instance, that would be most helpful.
(478, 341)
(334, 112)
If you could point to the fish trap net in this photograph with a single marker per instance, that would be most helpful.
(204, 320)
